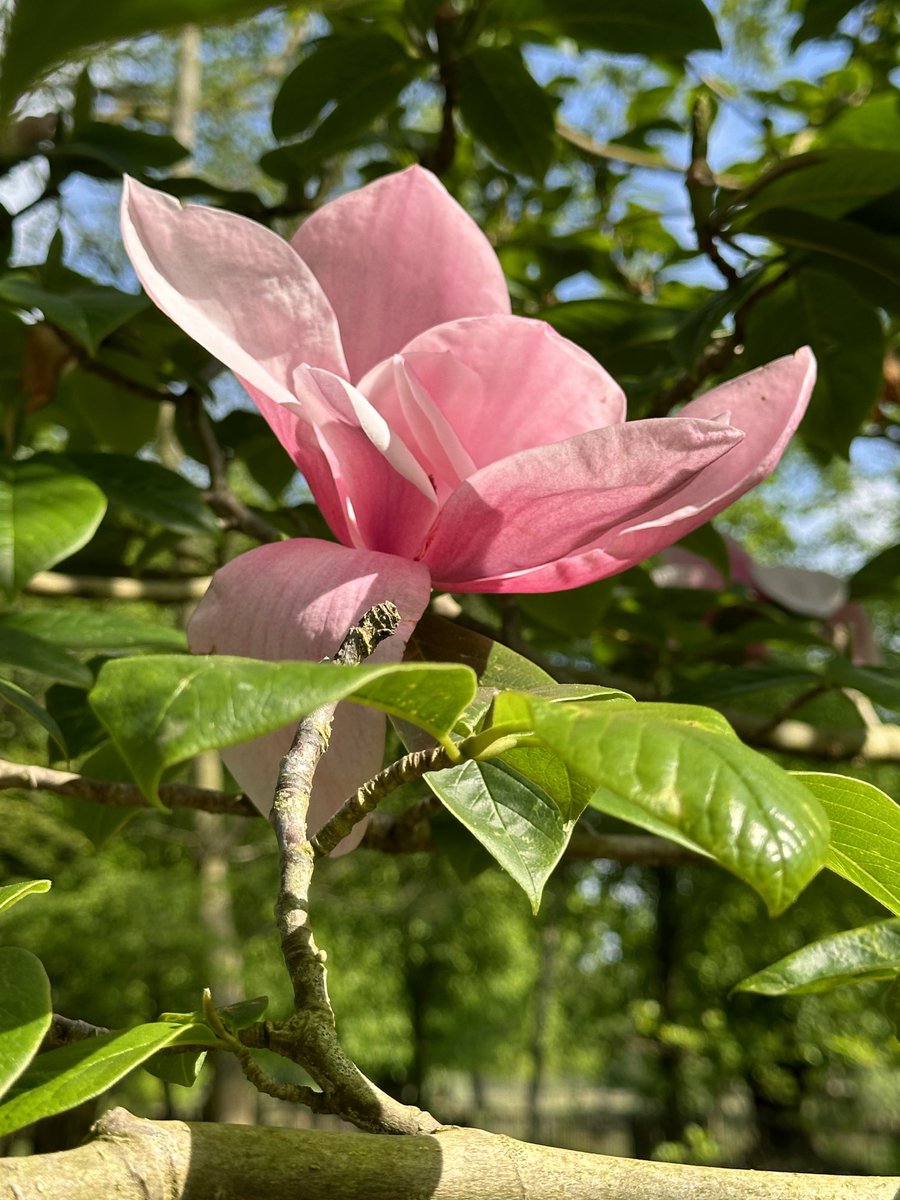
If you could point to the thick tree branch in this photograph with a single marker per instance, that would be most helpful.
(135, 1159)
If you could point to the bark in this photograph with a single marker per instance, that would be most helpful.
(135, 1159)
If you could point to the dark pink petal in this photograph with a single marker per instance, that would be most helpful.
(395, 258)
(296, 600)
(506, 384)
(767, 404)
(547, 504)
(233, 286)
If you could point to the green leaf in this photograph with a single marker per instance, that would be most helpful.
(855, 956)
(869, 261)
(882, 684)
(89, 312)
(642, 27)
(845, 332)
(164, 709)
(865, 833)
(25, 1012)
(12, 893)
(506, 109)
(92, 629)
(183, 1069)
(63, 1078)
(880, 576)
(20, 699)
(27, 653)
(105, 150)
(438, 640)
(720, 686)
(360, 76)
(47, 512)
(577, 611)
(708, 543)
(515, 820)
(829, 183)
(688, 780)
(40, 34)
(149, 491)
(101, 415)
(892, 1005)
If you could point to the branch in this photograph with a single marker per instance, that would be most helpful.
(112, 587)
(352, 811)
(219, 496)
(136, 1159)
(309, 1037)
(629, 154)
(121, 795)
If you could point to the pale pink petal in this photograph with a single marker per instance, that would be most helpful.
(395, 391)
(233, 286)
(395, 258)
(809, 593)
(680, 568)
(767, 404)
(296, 600)
(547, 504)
(387, 498)
(506, 384)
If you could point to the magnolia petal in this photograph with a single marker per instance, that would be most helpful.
(395, 391)
(549, 503)
(506, 384)
(233, 286)
(809, 593)
(395, 258)
(296, 600)
(387, 499)
(767, 404)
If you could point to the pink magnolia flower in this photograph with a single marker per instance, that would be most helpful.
(447, 443)
(800, 590)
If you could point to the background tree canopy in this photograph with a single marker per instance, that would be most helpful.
(686, 191)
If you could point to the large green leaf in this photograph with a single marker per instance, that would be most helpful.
(719, 686)
(61, 1079)
(89, 312)
(844, 329)
(855, 956)
(148, 490)
(47, 512)
(41, 34)
(640, 27)
(360, 76)
(164, 709)
(868, 260)
(29, 653)
(12, 694)
(516, 821)
(506, 109)
(12, 893)
(882, 684)
(880, 576)
(829, 183)
(25, 1012)
(105, 150)
(436, 639)
(687, 780)
(93, 629)
(865, 833)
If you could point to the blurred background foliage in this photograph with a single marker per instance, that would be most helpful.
(686, 191)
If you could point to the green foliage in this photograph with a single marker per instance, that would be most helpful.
(47, 511)
(506, 110)
(25, 1012)
(64, 1078)
(164, 709)
(857, 956)
(865, 833)
(681, 775)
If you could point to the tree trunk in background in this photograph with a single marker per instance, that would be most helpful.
(231, 1099)
(543, 995)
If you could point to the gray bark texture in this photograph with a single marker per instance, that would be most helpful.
(135, 1159)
